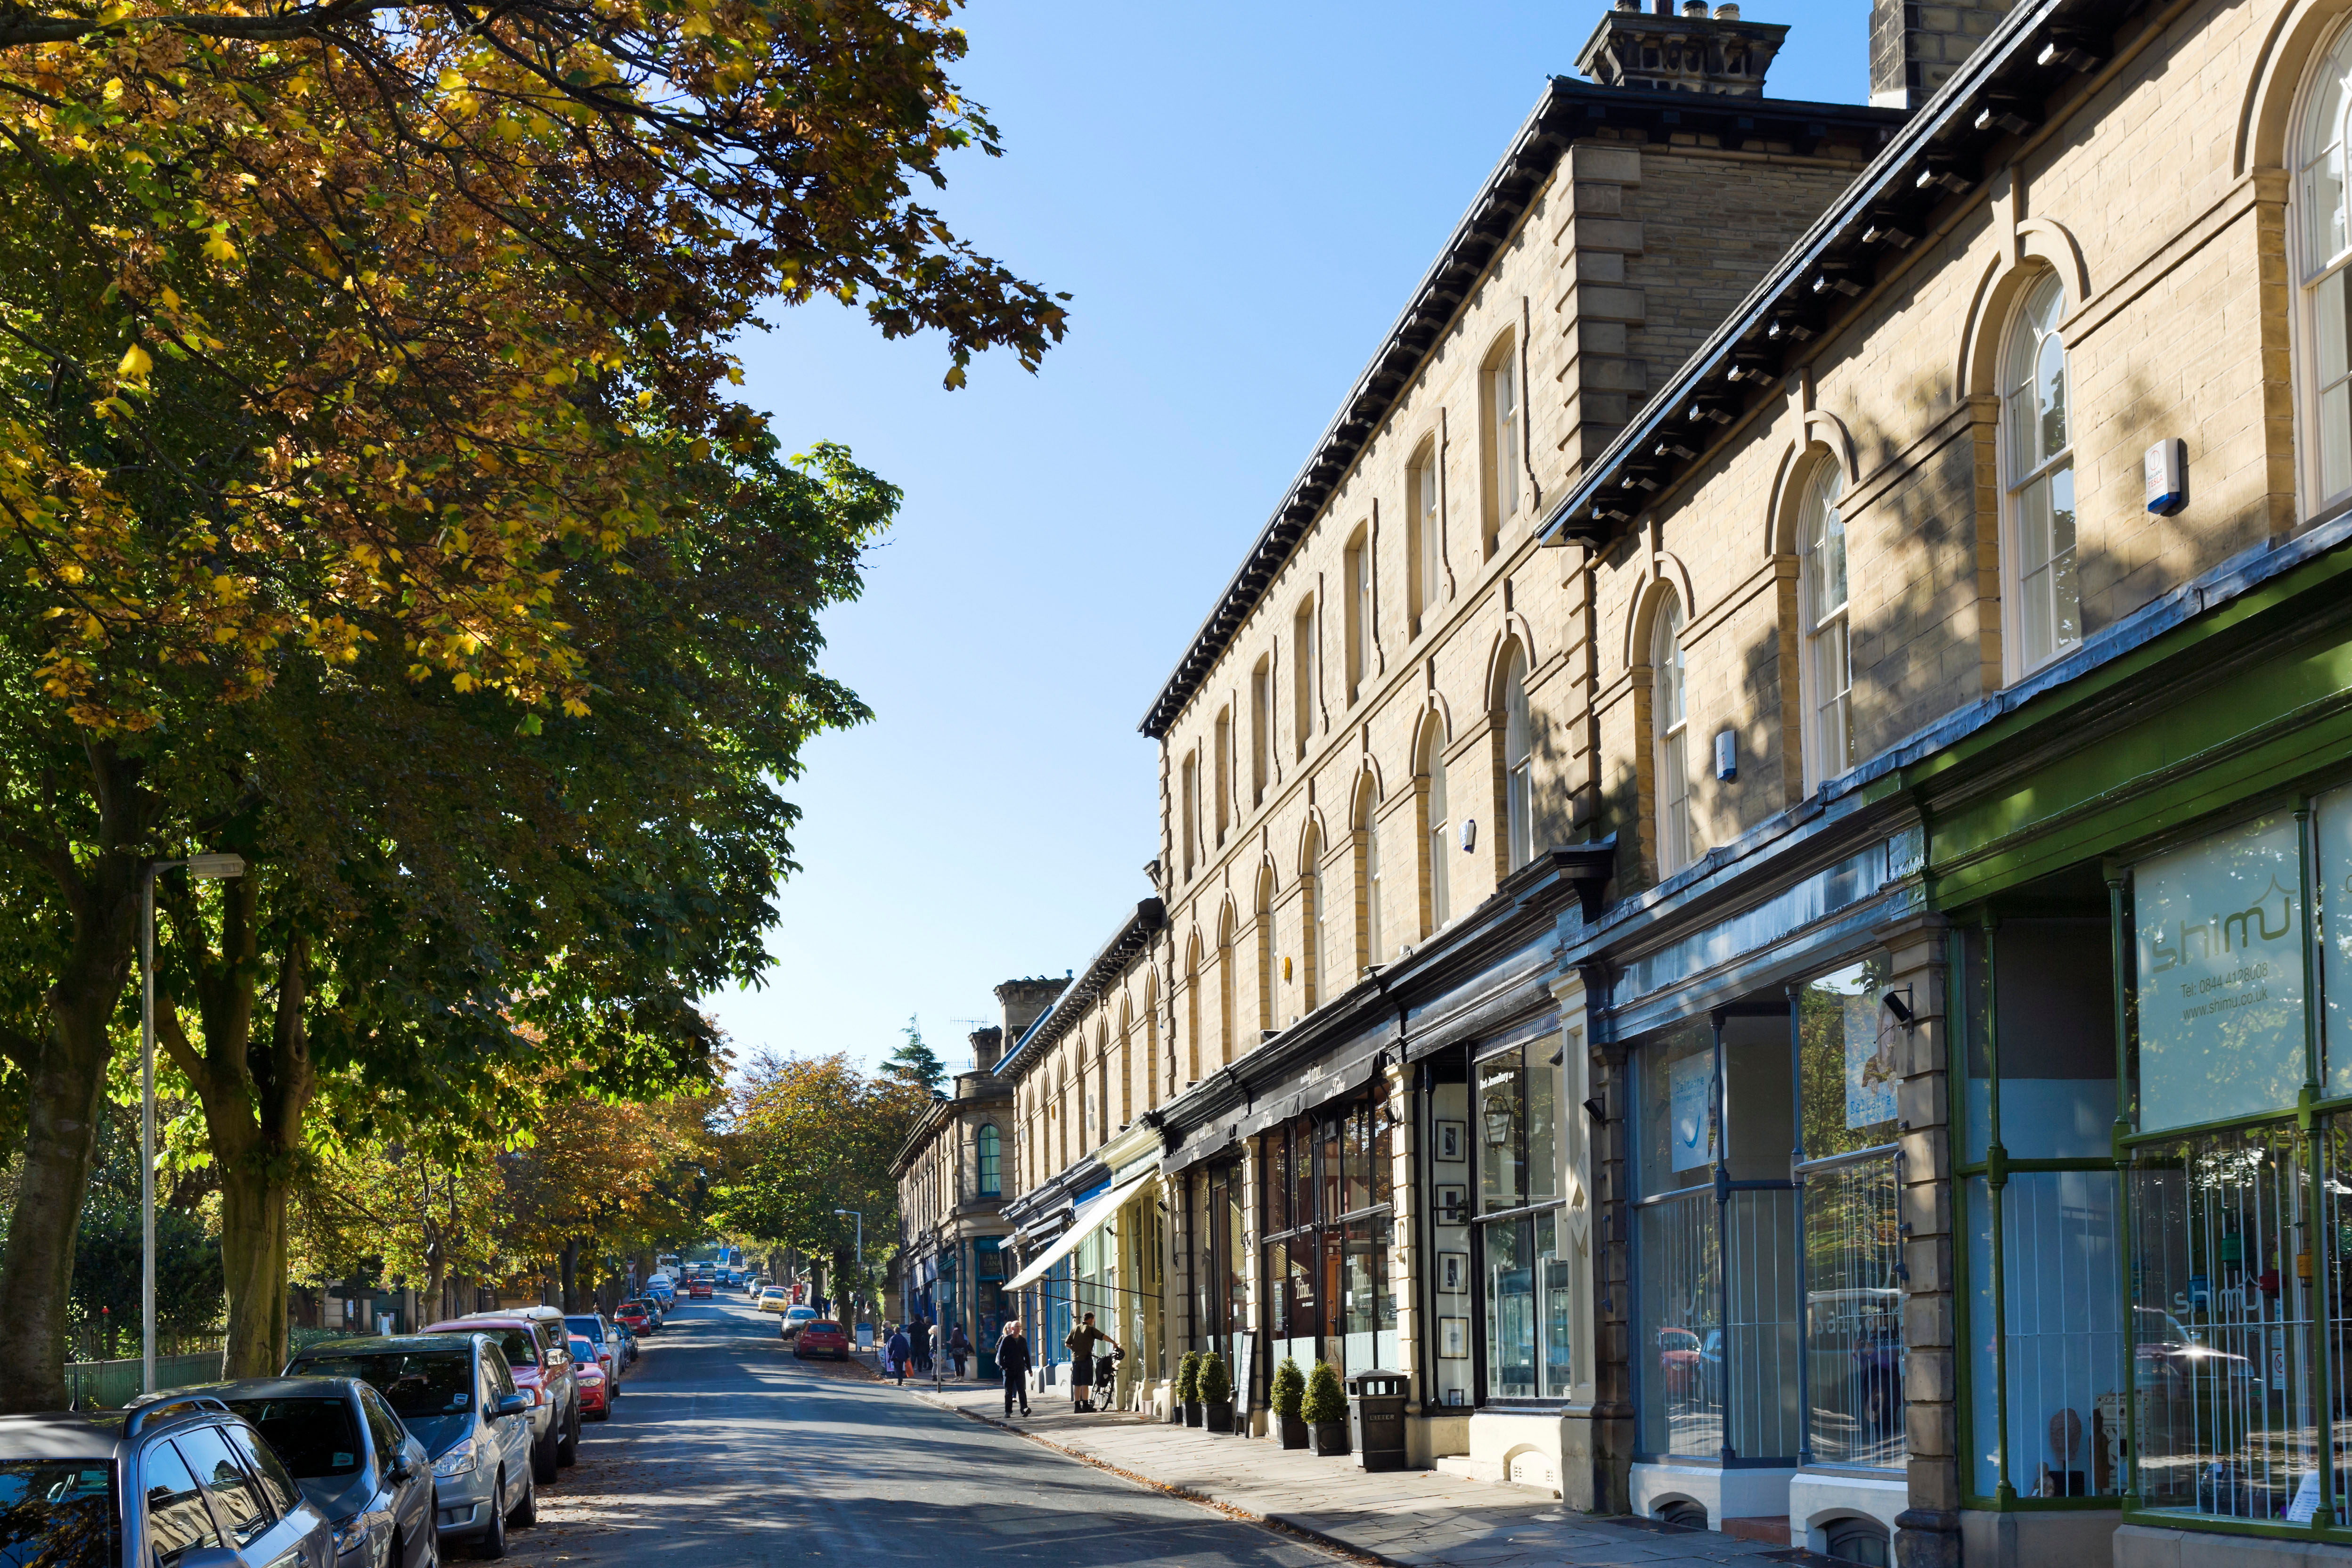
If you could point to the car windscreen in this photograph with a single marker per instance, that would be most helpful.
(57, 1513)
(582, 1350)
(416, 1384)
(588, 1328)
(315, 1436)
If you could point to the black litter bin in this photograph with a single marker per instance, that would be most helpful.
(1376, 1402)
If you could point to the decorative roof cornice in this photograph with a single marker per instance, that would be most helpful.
(1568, 108)
(1995, 96)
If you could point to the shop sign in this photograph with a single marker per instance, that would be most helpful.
(2218, 926)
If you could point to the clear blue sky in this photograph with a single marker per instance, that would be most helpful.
(1239, 197)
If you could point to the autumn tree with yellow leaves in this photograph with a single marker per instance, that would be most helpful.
(364, 368)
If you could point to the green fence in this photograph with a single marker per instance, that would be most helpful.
(110, 1384)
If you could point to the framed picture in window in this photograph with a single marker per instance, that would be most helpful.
(1454, 1339)
(1452, 1273)
(1452, 1203)
(1449, 1141)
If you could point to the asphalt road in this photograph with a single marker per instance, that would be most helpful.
(722, 1449)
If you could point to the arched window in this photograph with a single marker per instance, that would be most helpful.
(2038, 465)
(1265, 945)
(1829, 649)
(1670, 719)
(1519, 773)
(1302, 668)
(1188, 811)
(1193, 1012)
(1224, 765)
(991, 1166)
(1225, 989)
(1368, 840)
(1433, 766)
(1310, 921)
(2323, 249)
(1423, 523)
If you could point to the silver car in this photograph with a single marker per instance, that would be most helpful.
(456, 1396)
(180, 1481)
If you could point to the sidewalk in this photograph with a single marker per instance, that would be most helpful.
(1409, 1518)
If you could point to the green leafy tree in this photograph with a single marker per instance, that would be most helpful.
(915, 1061)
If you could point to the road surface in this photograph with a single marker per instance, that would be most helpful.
(723, 1451)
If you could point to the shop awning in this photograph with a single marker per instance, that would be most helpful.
(1088, 1218)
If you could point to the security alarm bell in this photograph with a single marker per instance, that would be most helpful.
(2165, 468)
(1727, 756)
(1469, 834)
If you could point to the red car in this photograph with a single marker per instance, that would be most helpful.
(596, 1390)
(819, 1336)
(701, 1290)
(632, 1314)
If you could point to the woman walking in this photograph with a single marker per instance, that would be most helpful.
(959, 1349)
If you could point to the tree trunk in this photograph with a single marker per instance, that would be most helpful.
(66, 1080)
(572, 1275)
(254, 1094)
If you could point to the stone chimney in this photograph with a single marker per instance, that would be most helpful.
(1697, 50)
(987, 1048)
(1025, 1002)
(1915, 48)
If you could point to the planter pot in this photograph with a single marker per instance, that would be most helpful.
(1221, 1416)
(1294, 1431)
(1192, 1413)
(1329, 1438)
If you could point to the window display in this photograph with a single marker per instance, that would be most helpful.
(1329, 1296)
(1515, 1123)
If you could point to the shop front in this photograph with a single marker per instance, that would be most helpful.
(1330, 1229)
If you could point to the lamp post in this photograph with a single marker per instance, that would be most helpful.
(204, 868)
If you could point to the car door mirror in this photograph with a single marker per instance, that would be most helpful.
(512, 1404)
(209, 1557)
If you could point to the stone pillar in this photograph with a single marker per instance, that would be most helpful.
(1927, 1533)
(1612, 1391)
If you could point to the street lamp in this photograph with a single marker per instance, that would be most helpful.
(204, 868)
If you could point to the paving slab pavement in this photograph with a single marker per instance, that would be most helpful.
(1413, 1518)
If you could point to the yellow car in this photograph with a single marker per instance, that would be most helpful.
(775, 1298)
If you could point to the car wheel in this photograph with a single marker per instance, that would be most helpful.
(492, 1544)
(543, 1457)
(567, 1451)
(526, 1512)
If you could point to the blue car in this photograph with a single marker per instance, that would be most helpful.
(354, 1457)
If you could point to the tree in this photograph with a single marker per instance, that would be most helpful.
(916, 1062)
(811, 1135)
(332, 339)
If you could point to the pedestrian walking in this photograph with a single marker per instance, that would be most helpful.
(1013, 1357)
(932, 1346)
(1082, 1343)
(897, 1351)
(960, 1348)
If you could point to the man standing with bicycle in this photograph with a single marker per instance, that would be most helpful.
(1081, 1344)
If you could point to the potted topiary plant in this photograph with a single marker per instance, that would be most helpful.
(1188, 1387)
(1324, 1410)
(1289, 1392)
(1217, 1393)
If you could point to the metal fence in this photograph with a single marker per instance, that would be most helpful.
(110, 1384)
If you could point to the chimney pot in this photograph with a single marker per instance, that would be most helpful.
(1694, 7)
(1727, 12)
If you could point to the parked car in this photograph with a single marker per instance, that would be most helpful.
(701, 1290)
(598, 1388)
(183, 1479)
(636, 1317)
(628, 1338)
(774, 1299)
(795, 1320)
(542, 1372)
(821, 1336)
(457, 1397)
(352, 1458)
(601, 1334)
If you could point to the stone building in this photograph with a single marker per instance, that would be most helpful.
(953, 1174)
(1746, 863)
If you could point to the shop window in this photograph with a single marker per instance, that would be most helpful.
(1324, 1218)
(1523, 1274)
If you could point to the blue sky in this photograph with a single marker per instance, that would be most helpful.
(1239, 198)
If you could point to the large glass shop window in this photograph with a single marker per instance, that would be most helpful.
(1520, 1242)
(2240, 1237)
(1329, 1238)
(1854, 1244)
(1717, 1256)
